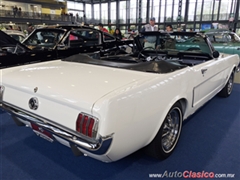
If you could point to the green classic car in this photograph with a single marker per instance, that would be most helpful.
(224, 41)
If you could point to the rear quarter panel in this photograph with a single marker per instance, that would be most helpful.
(135, 113)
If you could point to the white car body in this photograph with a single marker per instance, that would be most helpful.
(130, 106)
(111, 107)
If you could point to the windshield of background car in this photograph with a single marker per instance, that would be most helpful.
(18, 37)
(108, 37)
(82, 37)
(223, 37)
(44, 38)
(175, 42)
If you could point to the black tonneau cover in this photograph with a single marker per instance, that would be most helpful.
(151, 66)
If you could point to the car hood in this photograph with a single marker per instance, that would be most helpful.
(5, 39)
(72, 84)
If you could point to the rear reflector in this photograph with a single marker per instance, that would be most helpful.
(90, 127)
(86, 125)
(78, 123)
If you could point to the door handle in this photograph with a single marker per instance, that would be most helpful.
(203, 71)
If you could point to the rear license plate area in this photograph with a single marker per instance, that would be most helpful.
(39, 131)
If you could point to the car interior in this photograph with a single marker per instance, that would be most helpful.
(79, 38)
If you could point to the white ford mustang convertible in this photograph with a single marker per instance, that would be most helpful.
(110, 107)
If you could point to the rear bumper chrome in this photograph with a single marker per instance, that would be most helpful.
(98, 147)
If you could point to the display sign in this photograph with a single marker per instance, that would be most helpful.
(206, 26)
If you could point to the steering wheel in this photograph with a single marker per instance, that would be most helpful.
(147, 58)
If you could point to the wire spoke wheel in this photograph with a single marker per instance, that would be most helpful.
(227, 89)
(171, 129)
(230, 84)
(168, 135)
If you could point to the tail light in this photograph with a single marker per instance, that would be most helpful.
(87, 125)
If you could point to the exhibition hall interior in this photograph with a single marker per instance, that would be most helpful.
(119, 89)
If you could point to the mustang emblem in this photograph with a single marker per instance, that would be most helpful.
(33, 103)
(35, 89)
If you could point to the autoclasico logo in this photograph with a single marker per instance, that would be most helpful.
(191, 174)
(188, 174)
(203, 174)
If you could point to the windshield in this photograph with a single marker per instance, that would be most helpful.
(175, 42)
(223, 37)
(18, 37)
(44, 38)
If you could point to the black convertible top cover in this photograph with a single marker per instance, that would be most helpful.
(149, 66)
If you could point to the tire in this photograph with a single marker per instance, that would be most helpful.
(227, 90)
(168, 135)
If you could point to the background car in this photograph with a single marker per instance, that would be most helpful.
(18, 35)
(110, 107)
(224, 41)
(55, 42)
(70, 40)
(13, 53)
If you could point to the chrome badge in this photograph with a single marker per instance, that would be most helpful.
(33, 103)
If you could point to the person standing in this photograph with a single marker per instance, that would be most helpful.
(10, 27)
(101, 28)
(19, 28)
(15, 9)
(150, 41)
(151, 26)
(19, 11)
(169, 28)
(118, 33)
(30, 28)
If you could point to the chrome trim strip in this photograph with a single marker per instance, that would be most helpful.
(98, 147)
(2, 88)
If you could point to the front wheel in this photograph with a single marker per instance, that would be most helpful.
(227, 90)
(167, 137)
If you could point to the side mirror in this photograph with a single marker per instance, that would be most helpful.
(216, 54)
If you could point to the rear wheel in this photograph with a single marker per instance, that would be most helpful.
(167, 137)
(227, 90)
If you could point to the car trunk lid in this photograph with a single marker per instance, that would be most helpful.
(63, 89)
